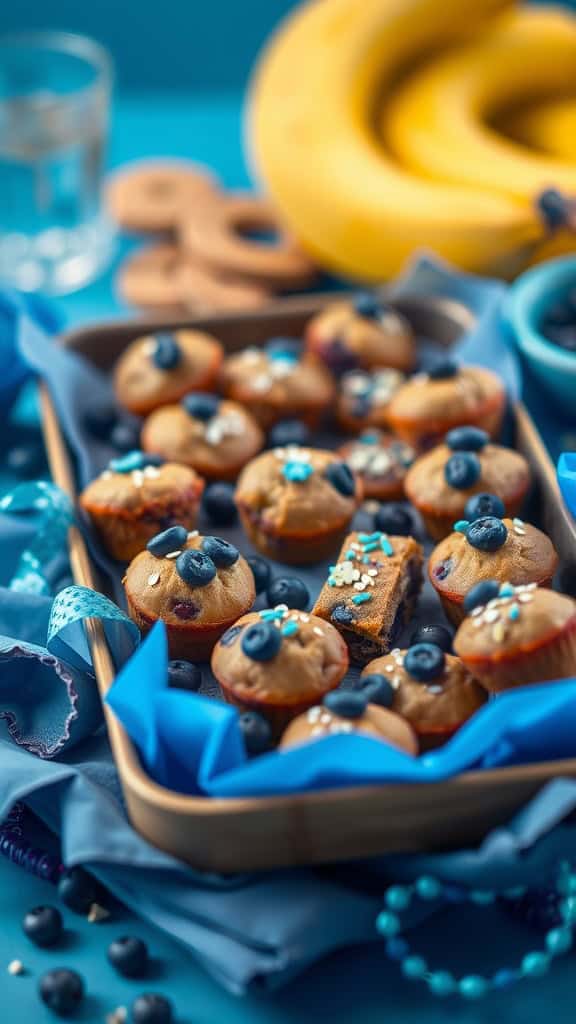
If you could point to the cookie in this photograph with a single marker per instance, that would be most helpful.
(152, 196)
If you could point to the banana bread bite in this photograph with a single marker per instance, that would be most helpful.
(381, 461)
(345, 712)
(160, 368)
(364, 397)
(365, 333)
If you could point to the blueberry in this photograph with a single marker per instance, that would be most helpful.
(361, 407)
(367, 305)
(230, 636)
(25, 460)
(261, 641)
(151, 1008)
(487, 533)
(183, 675)
(444, 368)
(169, 540)
(346, 703)
(280, 348)
(433, 633)
(167, 353)
(61, 990)
(129, 956)
(480, 505)
(195, 567)
(261, 572)
(462, 470)
(99, 422)
(341, 615)
(125, 436)
(442, 569)
(394, 518)
(377, 689)
(222, 553)
(78, 890)
(43, 926)
(424, 662)
(256, 733)
(218, 504)
(338, 356)
(289, 432)
(342, 479)
(480, 594)
(288, 590)
(552, 207)
(200, 406)
(467, 439)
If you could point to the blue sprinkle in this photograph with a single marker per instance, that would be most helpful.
(331, 582)
(461, 525)
(506, 590)
(271, 614)
(514, 612)
(386, 545)
(373, 546)
(365, 538)
(127, 463)
(361, 598)
(350, 555)
(366, 560)
(290, 628)
(297, 472)
(368, 438)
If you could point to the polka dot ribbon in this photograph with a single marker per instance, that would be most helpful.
(55, 513)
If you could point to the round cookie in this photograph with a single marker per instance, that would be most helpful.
(361, 718)
(148, 279)
(364, 397)
(364, 333)
(153, 195)
(381, 461)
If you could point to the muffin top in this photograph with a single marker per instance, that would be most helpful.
(365, 396)
(377, 455)
(136, 480)
(459, 393)
(279, 374)
(513, 622)
(299, 490)
(184, 578)
(281, 656)
(363, 333)
(374, 721)
(491, 548)
(159, 368)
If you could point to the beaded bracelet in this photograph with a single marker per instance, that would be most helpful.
(398, 898)
(17, 849)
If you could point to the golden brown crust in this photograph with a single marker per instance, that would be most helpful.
(376, 722)
(424, 409)
(381, 461)
(141, 386)
(371, 343)
(538, 615)
(277, 389)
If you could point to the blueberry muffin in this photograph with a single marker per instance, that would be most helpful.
(364, 397)
(345, 712)
(158, 369)
(364, 333)
(381, 461)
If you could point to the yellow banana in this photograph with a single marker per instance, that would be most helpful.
(314, 146)
(548, 126)
(437, 121)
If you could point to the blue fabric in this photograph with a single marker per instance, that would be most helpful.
(21, 317)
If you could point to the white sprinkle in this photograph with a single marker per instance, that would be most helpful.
(314, 714)
(396, 682)
(192, 534)
(152, 472)
(359, 586)
(317, 731)
(97, 914)
(337, 727)
(325, 718)
(318, 631)
(477, 611)
(106, 475)
(371, 507)
(251, 355)
(525, 598)
(16, 967)
(153, 579)
(263, 382)
(372, 572)
(531, 586)
(518, 522)
(494, 603)
(389, 668)
(492, 615)
(149, 346)
(479, 622)
(137, 478)
(519, 532)
(303, 617)
(173, 554)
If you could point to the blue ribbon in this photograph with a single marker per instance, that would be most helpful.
(56, 515)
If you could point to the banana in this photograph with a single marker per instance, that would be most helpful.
(548, 126)
(437, 121)
(313, 143)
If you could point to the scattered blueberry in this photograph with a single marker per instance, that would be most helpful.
(151, 1008)
(195, 567)
(222, 553)
(201, 406)
(342, 479)
(377, 689)
(338, 356)
(78, 890)
(288, 432)
(433, 633)
(480, 505)
(167, 353)
(100, 422)
(487, 533)
(341, 615)
(424, 662)
(462, 470)
(467, 439)
(552, 206)
(346, 703)
(261, 572)
(261, 641)
(125, 435)
(218, 504)
(129, 956)
(444, 368)
(169, 540)
(395, 519)
(279, 348)
(480, 594)
(186, 610)
(43, 926)
(228, 638)
(61, 990)
(367, 305)
(184, 675)
(256, 733)
(288, 590)
(25, 459)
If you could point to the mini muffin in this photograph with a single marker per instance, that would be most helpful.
(432, 690)
(278, 382)
(517, 635)
(279, 662)
(198, 586)
(364, 333)
(457, 479)
(364, 398)
(296, 503)
(216, 437)
(381, 461)
(430, 404)
(136, 497)
(158, 369)
(508, 550)
(348, 712)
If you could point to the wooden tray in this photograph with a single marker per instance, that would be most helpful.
(246, 834)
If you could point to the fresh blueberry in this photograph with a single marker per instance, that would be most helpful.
(261, 572)
(25, 460)
(125, 435)
(129, 956)
(552, 205)
(100, 422)
(230, 636)
(424, 662)
(256, 733)
(289, 432)
(201, 406)
(43, 926)
(467, 439)
(61, 990)
(480, 594)
(261, 641)
(169, 540)
(218, 504)
(195, 567)
(288, 590)
(284, 348)
(338, 356)
(480, 505)
(183, 675)
(151, 1008)
(433, 633)
(342, 479)
(222, 553)
(367, 305)
(444, 368)
(462, 470)
(442, 569)
(377, 689)
(78, 890)
(395, 519)
(167, 353)
(341, 615)
(346, 703)
(487, 533)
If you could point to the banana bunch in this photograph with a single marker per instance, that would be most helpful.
(365, 171)
(548, 126)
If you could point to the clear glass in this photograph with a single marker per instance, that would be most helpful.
(54, 104)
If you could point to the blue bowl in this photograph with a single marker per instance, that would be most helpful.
(531, 296)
